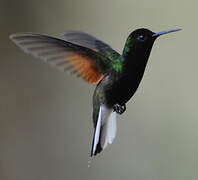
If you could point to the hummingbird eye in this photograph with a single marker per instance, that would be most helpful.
(141, 38)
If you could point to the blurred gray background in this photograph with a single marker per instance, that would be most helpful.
(45, 115)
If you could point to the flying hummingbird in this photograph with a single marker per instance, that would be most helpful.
(117, 75)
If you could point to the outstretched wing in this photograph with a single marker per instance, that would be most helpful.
(83, 61)
(89, 41)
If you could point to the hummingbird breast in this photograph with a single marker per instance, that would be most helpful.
(119, 90)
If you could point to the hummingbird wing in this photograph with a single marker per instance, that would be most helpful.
(67, 56)
(91, 42)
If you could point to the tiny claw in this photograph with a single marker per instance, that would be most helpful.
(119, 109)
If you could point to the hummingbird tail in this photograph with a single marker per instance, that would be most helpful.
(105, 130)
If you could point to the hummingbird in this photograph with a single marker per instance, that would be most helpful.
(117, 76)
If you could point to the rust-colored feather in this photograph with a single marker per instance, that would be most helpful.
(84, 67)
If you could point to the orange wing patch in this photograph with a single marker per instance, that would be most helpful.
(84, 67)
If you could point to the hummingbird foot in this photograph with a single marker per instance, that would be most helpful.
(119, 109)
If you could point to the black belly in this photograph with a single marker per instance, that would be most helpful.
(121, 91)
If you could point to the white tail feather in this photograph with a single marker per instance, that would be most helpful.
(97, 132)
(106, 128)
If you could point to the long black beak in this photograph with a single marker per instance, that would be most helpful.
(165, 32)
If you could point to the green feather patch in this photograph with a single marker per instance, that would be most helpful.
(128, 45)
(117, 67)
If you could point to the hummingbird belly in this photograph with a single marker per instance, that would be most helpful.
(121, 91)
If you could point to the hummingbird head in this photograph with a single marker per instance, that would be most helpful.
(141, 40)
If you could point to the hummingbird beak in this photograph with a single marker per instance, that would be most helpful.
(165, 32)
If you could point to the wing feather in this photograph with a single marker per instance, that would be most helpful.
(67, 56)
(91, 42)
